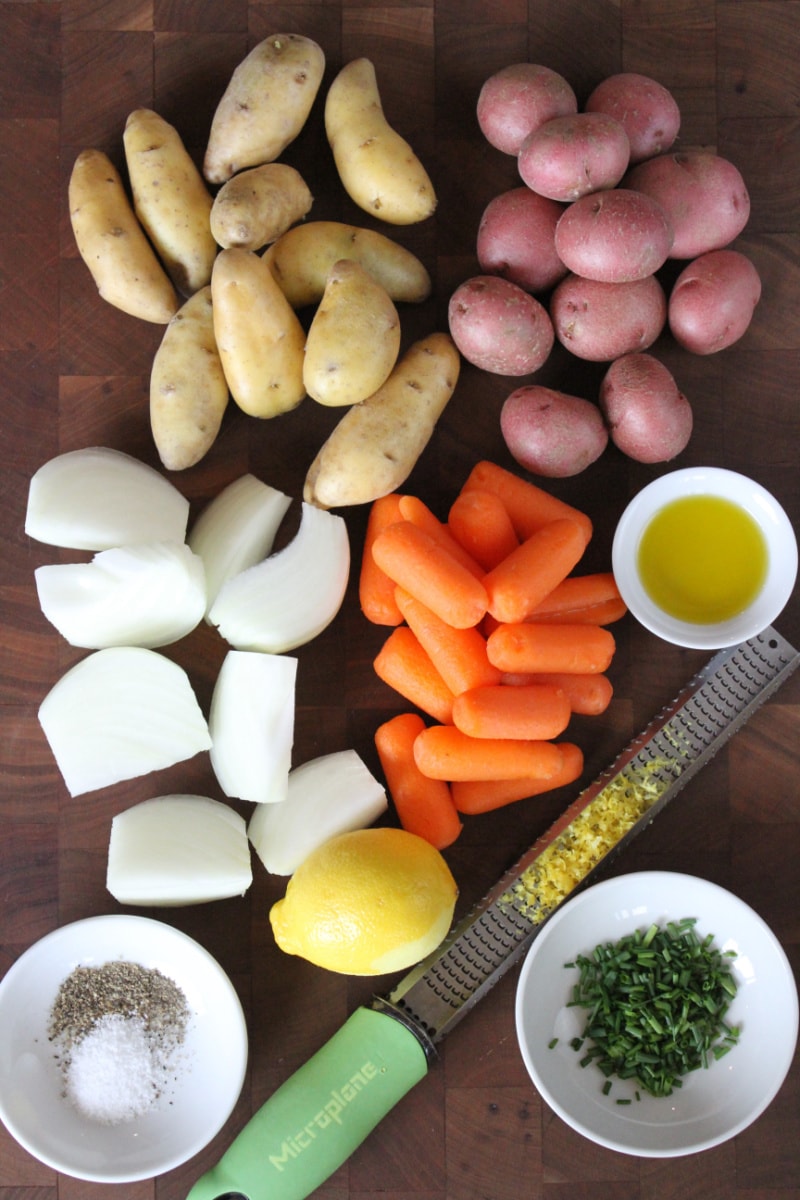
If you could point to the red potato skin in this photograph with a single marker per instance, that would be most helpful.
(499, 327)
(571, 156)
(550, 433)
(517, 239)
(704, 196)
(615, 236)
(602, 321)
(648, 417)
(647, 111)
(519, 98)
(713, 300)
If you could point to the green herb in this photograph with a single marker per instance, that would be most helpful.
(656, 1004)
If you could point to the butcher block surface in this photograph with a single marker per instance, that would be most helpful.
(74, 372)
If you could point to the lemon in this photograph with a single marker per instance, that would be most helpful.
(366, 902)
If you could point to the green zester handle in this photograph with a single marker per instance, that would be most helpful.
(317, 1118)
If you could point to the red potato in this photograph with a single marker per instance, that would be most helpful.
(517, 239)
(648, 417)
(570, 156)
(517, 99)
(703, 195)
(615, 236)
(647, 111)
(712, 301)
(551, 433)
(602, 321)
(499, 327)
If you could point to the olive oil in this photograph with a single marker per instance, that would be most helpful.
(702, 559)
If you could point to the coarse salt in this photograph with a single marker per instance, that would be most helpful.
(114, 1073)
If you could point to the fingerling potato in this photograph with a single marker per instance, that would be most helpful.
(188, 390)
(353, 341)
(255, 207)
(301, 260)
(113, 244)
(265, 105)
(376, 444)
(377, 167)
(258, 334)
(170, 199)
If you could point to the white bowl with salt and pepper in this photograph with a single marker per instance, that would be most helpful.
(115, 1090)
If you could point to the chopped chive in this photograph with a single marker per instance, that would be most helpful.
(553, 1042)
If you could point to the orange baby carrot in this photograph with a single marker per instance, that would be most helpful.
(444, 752)
(588, 695)
(593, 599)
(472, 796)
(526, 647)
(528, 574)
(529, 506)
(403, 665)
(375, 589)
(420, 565)
(424, 806)
(479, 521)
(536, 711)
(417, 512)
(459, 655)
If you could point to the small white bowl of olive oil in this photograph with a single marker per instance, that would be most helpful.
(705, 557)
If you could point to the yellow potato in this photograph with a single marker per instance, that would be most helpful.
(302, 257)
(113, 244)
(170, 199)
(353, 340)
(378, 169)
(377, 443)
(264, 106)
(188, 390)
(258, 205)
(258, 334)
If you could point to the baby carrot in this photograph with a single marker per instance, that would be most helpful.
(417, 512)
(418, 563)
(529, 506)
(594, 599)
(472, 796)
(588, 695)
(535, 711)
(403, 665)
(459, 655)
(375, 589)
(479, 521)
(526, 647)
(444, 752)
(424, 806)
(528, 574)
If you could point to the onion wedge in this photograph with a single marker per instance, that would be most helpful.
(178, 850)
(333, 794)
(290, 597)
(98, 498)
(148, 595)
(251, 722)
(118, 714)
(237, 529)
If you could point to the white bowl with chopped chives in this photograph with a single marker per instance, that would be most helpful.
(123, 1048)
(657, 1014)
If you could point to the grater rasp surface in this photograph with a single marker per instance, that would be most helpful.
(679, 741)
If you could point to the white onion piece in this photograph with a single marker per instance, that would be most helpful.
(178, 850)
(251, 722)
(150, 595)
(118, 714)
(237, 529)
(97, 498)
(333, 794)
(290, 597)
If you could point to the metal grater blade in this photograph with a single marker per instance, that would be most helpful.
(680, 740)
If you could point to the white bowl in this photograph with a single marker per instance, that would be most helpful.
(714, 1103)
(211, 1065)
(762, 507)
